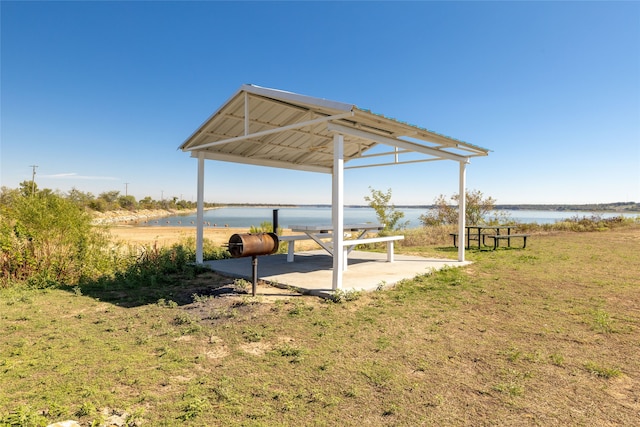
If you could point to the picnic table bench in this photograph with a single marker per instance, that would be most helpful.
(496, 238)
(482, 232)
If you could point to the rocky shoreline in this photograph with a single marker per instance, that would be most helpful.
(124, 216)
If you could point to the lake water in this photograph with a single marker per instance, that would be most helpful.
(245, 217)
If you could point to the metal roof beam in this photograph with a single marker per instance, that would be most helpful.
(261, 162)
(407, 145)
(273, 126)
(386, 153)
(395, 163)
(272, 131)
(260, 145)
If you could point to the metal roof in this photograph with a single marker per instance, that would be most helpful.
(270, 127)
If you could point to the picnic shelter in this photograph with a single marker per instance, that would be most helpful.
(274, 128)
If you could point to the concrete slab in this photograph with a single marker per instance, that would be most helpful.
(311, 272)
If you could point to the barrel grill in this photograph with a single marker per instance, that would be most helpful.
(252, 245)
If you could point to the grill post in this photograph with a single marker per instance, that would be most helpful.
(275, 221)
(254, 282)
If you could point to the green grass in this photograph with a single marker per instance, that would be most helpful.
(548, 335)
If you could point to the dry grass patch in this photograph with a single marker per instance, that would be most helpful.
(548, 335)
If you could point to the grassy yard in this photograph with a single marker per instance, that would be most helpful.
(548, 335)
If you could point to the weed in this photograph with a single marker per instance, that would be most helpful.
(557, 359)
(390, 410)
(252, 335)
(135, 418)
(602, 322)
(224, 390)
(422, 366)
(87, 409)
(513, 382)
(287, 350)
(242, 284)
(247, 300)
(534, 357)
(513, 354)
(56, 410)
(142, 340)
(382, 343)
(183, 319)
(193, 408)
(23, 416)
(351, 392)
(223, 313)
(167, 303)
(378, 375)
(602, 371)
(340, 295)
(299, 308)
(511, 388)
(199, 298)
(451, 276)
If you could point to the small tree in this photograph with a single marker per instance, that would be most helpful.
(127, 202)
(28, 188)
(386, 213)
(146, 203)
(83, 200)
(109, 200)
(445, 212)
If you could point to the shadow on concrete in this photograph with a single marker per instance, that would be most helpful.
(311, 272)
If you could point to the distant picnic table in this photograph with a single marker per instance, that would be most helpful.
(482, 232)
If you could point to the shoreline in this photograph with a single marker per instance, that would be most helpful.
(121, 217)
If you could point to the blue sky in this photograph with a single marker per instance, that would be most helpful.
(100, 94)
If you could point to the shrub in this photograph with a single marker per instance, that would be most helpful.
(477, 209)
(47, 239)
(582, 224)
(428, 236)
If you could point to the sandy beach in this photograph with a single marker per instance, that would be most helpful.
(167, 236)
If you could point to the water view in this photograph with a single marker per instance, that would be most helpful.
(244, 217)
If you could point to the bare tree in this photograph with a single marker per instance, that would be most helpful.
(445, 211)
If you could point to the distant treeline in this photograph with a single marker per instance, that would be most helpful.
(103, 202)
(592, 207)
(114, 200)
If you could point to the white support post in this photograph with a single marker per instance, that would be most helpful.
(337, 211)
(200, 211)
(462, 207)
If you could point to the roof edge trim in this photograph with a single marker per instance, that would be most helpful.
(296, 98)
